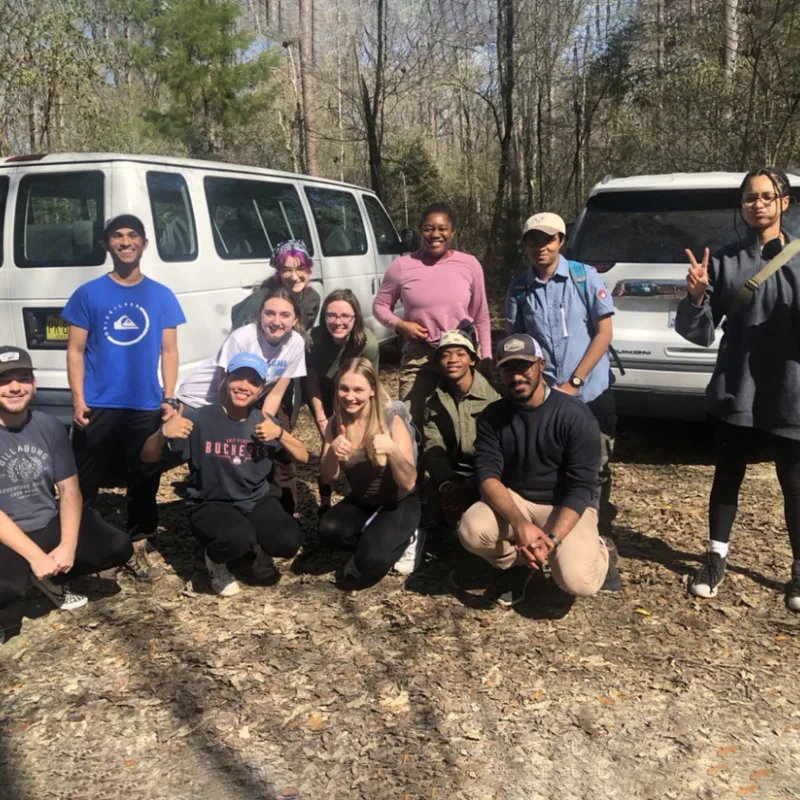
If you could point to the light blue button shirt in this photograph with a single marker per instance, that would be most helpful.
(554, 313)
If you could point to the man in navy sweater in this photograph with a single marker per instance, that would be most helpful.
(537, 454)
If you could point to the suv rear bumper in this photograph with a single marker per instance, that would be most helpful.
(56, 402)
(662, 403)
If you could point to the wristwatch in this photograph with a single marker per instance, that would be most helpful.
(554, 539)
(576, 381)
(173, 402)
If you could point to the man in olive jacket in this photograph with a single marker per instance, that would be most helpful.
(449, 434)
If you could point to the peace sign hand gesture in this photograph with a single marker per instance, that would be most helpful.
(697, 278)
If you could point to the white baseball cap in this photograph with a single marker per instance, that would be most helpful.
(546, 222)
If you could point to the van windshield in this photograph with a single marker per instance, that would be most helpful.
(657, 226)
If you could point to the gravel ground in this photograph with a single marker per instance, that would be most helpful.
(418, 690)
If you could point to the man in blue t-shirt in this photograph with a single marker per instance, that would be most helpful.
(119, 326)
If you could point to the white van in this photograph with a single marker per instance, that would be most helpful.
(211, 226)
(634, 231)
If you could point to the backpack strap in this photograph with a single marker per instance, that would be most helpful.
(577, 272)
(752, 285)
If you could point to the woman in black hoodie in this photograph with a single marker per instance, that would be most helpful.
(754, 394)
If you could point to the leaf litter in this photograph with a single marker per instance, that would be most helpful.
(299, 690)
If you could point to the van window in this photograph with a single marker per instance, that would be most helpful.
(339, 224)
(3, 197)
(657, 226)
(59, 220)
(385, 234)
(172, 216)
(249, 218)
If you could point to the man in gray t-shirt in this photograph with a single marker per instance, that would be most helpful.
(43, 538)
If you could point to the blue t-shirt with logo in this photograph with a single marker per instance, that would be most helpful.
(123, 345)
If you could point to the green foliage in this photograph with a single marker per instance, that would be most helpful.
(214, 77)
(412, 181)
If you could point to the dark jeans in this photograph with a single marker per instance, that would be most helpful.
(227, 533)
(284, 475)
(100, 546)
(114, 438)
(735, 446)
(604, 409)
(379, 535)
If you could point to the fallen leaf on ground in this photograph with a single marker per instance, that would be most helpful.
(751, 787)
(396, 705)
(715, 769)
(726, 751)
(315, 722)
(759, 774)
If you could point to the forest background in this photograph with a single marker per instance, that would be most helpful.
(499, 107)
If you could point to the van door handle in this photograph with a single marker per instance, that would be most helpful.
(373, 287)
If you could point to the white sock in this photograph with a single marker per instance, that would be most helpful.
(721, 548)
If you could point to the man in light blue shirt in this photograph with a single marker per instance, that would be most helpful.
(568, 311)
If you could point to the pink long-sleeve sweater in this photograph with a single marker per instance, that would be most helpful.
(437, 295)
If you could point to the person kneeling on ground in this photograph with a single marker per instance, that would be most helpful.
(48, 540)
(231, 447)
(450, 414)
(370, 440)
(537, 453)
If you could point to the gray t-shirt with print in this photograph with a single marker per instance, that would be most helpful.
(33, 459)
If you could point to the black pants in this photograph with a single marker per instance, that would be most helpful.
(735, 446)
(113, 439)
(227, 533)
(604, 409)
(100, 546)
(379, 545)
(284, 475)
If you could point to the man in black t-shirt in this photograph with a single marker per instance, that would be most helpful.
(537, 453)
(48, 540)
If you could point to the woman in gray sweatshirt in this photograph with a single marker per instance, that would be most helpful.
(754, 394)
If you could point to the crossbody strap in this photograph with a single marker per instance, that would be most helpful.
(751, 284)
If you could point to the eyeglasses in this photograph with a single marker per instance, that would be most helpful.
(331, 317)
(767, 198)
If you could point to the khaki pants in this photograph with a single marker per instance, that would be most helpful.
(579, 564)
(419, 375)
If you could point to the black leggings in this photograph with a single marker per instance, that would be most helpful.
(735, 446)
(379, 535)
(100, 546)
(228, 533)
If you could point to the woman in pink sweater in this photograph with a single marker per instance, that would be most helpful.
(441, 289)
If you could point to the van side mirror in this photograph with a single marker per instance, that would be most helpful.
(409, 240)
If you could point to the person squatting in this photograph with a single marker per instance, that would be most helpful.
(506, 453)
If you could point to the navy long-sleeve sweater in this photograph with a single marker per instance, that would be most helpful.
(549, 454)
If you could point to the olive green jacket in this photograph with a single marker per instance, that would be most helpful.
(449, 431)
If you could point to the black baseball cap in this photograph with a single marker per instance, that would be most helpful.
(124, 221)
(14, 358)
(519, 347)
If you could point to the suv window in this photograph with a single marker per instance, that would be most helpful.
(249, 218)
(385, 234)
(172, 216)
(339, 223)
(3, 198)
(657, 226)
(59, 220)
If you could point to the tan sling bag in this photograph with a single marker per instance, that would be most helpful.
(772, 266)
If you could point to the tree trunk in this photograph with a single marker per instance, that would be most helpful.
(731, 38)
(307, 82)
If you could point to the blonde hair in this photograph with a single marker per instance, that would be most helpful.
(376, 414)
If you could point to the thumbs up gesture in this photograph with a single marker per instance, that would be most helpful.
(697, 278)
(177, 427)
(341, 445)
(383, 445)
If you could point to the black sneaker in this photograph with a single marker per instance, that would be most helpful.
(510, 586)
(709, 576)
(612, 583)
(793, 589)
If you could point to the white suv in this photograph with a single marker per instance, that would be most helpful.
(635, 231)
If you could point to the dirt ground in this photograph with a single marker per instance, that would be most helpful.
(420, 691)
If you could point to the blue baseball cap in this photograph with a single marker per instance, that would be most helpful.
(250, 361)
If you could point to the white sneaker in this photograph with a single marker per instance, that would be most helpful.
(264, 568)
(410, 560)
(222, 582)
(60, 595)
